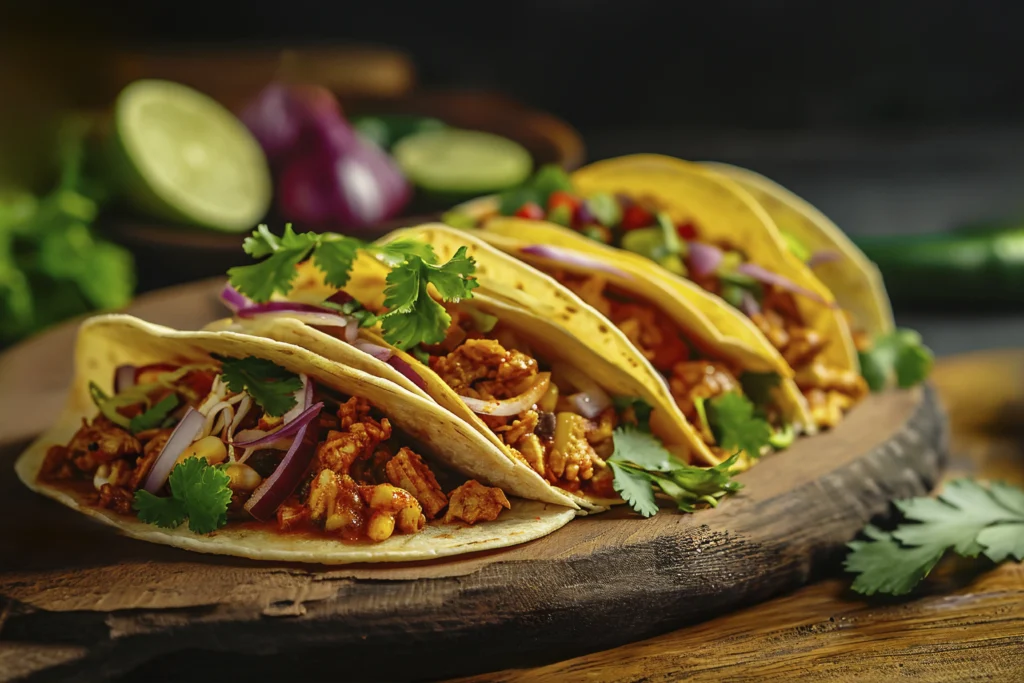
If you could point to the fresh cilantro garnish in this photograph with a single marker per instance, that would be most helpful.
(640, 463)
(155, 415)
(967, 518)
(276, 272)
(270, 385)
(735, 426)
(420, 355)
(641, 409)
(758, 386)
(199, 493)
(898, 356)
(413, 316)
(548, 178)
(353, 309)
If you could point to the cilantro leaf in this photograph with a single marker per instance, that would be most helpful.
(270, 385)
(199, 492)
(640, 461)
(635, 488)
(967, 518)
(335, 258)
(400, 250)
(641, 409)
(155, 416)
(734, 425)
(277, 271)
(898, 357)
(758, 386)
(413, 316)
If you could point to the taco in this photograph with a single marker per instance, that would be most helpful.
(232, 444)
(545, 397)
(813, 238)
(734, 390)
(701, 226)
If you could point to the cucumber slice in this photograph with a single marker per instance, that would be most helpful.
(462, 161)
(179, 155)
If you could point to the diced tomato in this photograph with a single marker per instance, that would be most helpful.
(635, 216)
(531, 211)
(687, 230)
(563, 198)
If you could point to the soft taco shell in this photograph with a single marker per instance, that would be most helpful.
(104, 342)
(723, 211)
(854, 280)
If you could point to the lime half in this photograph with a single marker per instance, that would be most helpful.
(179, 155)
(462, 161)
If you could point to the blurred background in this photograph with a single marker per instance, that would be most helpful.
(892, 117)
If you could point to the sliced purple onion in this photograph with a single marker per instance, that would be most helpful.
(584, 215)
(769, 278)
(571, 258)
(234, 299)
(289, 429)
(269, 495)
(124, 378)
(352, 330)
(302, 400)
(376, 350)
(511, 406)
(748, 304)
(703, 259)
(823, 256)
(399, 363)
(590, 405)
(340, 298)
(184, 434)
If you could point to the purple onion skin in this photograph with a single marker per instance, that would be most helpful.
(282, 115)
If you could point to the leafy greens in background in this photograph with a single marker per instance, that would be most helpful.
(52, 264)
(966, 517)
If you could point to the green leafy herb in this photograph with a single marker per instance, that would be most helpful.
(549, 178)
(270, 385)
(641, 409)
(735, 426)
(199, 493)
(353, 309)
(898, 357)
(642, 466)
(413, 316)
(155, 415)
(758, 386)
(967, 518)
(420, 355)
(276, 272)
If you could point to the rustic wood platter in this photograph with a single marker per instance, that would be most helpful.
(80, 603)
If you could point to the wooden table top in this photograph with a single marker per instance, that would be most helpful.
(962, 624)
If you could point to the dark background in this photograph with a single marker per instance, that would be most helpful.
(898, 116)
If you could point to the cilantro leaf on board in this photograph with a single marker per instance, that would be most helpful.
(734, 425)
(641, 449)
(413, 316)
(199, 493)
(967, 517)
(270, 385)
(635, 488)
(155, 415)
(898, 358)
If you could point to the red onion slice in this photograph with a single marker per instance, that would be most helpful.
(290, 428)
(234, 299)
(124, 378)
(340, 297)
(269, 495)
(703, 259)
(377, 351)
(301, 401)
(748, 304)
(400, 364)
(823, 256)
(767, 277)
(571, 258)
(511, 406)
(590, 405)
(352, 330)
(181, 438)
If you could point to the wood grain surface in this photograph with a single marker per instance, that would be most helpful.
(966, 622)
(79, 603)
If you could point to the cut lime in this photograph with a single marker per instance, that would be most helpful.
(462, 161)
(181, 156)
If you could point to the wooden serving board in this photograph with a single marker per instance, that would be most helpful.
(78, 602)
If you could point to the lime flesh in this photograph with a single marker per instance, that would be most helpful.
(462, 161)
(181, 156)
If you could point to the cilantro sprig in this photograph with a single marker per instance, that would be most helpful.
(413, 316)
(966, 517)
(270, 385)
(899, 357)
(733, 421)
(199, 493)
(642, 467)
(154, 416)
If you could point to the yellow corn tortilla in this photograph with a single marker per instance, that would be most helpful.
(854, 280)
(105, 342)
(724, 211)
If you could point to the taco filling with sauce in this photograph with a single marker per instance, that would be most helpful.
(250, 443)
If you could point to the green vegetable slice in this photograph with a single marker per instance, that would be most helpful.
(462, 161)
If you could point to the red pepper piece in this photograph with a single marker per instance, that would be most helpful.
(635, 216)
(687, 230)
(531, 211)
